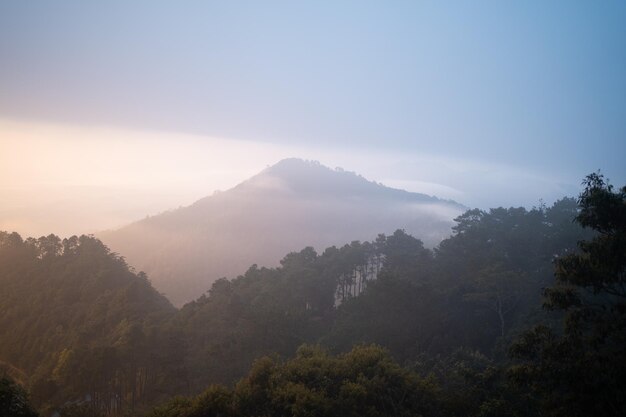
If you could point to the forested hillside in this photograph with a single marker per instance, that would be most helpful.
(179, 237)
(473, 292)
(77, 323)
(90, 336)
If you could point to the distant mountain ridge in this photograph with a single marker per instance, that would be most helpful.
(311, 177)
(287, 206)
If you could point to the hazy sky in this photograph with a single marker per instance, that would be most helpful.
(489, 103)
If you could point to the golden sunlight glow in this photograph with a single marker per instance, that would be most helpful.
(69, 179)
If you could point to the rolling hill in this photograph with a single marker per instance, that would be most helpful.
(287, 206)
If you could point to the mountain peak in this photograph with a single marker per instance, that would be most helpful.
(290, 167)
(311, 179)
(303, 177)
(293, 162)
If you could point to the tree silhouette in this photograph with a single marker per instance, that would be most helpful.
(580, 370)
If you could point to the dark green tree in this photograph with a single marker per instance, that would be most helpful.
(364, 382)
(580, 369)
(14, 400)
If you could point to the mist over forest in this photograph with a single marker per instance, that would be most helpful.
(312, 209)
(290, 205)
(472, 326)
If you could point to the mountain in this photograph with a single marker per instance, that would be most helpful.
(287, 206)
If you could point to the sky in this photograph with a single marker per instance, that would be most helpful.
(124, 109)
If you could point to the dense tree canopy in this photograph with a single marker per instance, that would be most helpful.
(362, 382)
(14, 401)
(579, 369)
(90, 335)
(79, 323)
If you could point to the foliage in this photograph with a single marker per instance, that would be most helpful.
(363, 382)
(79, 322)
(14, 400)
(88, 332)
(580, 368)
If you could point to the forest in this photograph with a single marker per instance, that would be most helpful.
(520, 312)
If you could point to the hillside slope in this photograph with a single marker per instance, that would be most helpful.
(75, 320)
(287, 206)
